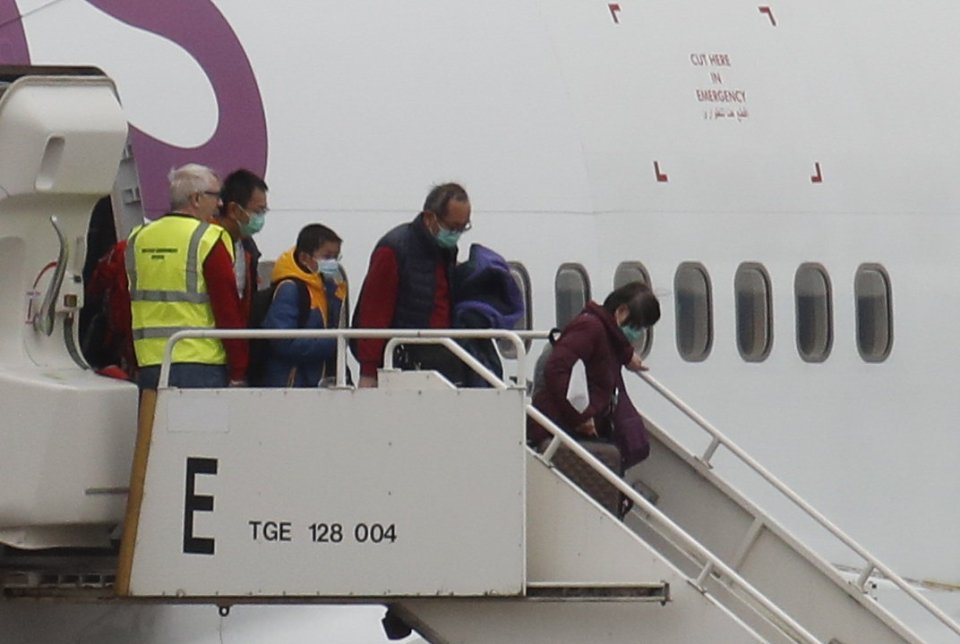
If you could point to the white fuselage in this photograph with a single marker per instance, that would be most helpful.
(705, 132)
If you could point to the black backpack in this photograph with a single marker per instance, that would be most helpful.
(259, 305)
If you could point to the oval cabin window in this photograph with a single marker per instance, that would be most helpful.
(874, 303)
(635, 272)
(572, 286)
(754, 300)
(814, 312)
(525, 323)
(691, 287)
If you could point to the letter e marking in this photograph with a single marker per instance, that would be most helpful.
(194, 502)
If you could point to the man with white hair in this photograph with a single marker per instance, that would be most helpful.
(180, 273)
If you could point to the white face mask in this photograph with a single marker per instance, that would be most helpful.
(328, 267)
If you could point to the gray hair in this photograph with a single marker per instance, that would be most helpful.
(188, 180)
(440, 197)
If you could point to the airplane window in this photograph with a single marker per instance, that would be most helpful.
(754, 312)
(635, 272)
(691, 287)
(814, 312)
(572, 287)
(522, 278)
(874, 312)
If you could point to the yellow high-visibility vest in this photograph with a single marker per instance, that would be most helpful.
(164, 261)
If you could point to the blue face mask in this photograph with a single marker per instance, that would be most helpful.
(328, 267)
(633, 333)
(254, 224)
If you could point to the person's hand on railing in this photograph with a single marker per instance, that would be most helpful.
(635, 364)
(367, 382)
(588, 428)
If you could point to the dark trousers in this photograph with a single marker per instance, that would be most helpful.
(427, 357)
(186, 375)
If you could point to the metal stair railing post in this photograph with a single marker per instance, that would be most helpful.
(718, 438)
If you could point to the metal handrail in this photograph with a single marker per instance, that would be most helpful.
(710, 561)
(431, 336)
(719, 439)
(43, 320)
(491, 378)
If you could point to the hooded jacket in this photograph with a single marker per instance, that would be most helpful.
(302, 362)
(595, 338)
(486, 296)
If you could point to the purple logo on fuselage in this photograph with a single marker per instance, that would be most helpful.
(201, 30)
(13, 42)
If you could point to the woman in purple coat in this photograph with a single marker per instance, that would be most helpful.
(596, 343)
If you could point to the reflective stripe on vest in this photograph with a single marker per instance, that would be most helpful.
(158, 332)
(164, 262)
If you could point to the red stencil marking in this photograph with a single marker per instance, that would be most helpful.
(817, 178)
(615, 11)
(661, 177)
(769, 12)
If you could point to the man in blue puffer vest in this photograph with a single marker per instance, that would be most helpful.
(408, 284)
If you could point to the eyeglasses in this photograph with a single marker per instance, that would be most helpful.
(262, 212)
(211, 193)
(462, 229)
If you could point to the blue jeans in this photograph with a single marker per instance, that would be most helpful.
(186, 375)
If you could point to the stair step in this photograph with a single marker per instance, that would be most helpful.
(606, 592)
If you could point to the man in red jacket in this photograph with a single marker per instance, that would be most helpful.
(408, 284)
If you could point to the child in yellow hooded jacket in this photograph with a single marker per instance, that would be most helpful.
(308, 271)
